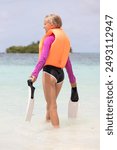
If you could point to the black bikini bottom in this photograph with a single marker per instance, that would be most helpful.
(54, 71)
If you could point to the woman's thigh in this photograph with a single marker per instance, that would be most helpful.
(51, 88)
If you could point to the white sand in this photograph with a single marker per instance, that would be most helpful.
(79, 134)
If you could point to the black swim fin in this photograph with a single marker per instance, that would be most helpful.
(30, 105)
(73, 103)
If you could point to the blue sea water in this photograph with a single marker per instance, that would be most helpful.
(16, 68)
(14, 72)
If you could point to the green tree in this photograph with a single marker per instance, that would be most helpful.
(32, 48)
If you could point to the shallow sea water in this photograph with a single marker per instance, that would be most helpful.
(78, 134)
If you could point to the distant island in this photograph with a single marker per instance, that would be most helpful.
(31, 48)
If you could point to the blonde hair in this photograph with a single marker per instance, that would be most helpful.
(54, 20)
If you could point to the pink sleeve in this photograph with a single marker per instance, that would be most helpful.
(69, 70)
(45, 52)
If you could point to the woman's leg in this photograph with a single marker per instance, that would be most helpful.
(58, 88)
(51, 91)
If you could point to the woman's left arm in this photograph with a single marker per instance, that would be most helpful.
(45, 52)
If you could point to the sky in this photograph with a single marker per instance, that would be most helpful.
(21, 22)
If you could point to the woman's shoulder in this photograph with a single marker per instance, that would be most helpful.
(50, 38)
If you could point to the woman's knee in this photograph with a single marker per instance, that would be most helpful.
(52, 108)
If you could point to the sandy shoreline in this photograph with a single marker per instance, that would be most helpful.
(80, 134)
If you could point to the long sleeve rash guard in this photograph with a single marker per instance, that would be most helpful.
(44, 55)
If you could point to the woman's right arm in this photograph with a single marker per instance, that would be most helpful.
(72, 78)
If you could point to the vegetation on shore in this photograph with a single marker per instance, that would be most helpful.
(32, 48)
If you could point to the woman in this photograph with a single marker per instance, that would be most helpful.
(54, 51)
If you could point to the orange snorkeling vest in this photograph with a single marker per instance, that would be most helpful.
(59, 50)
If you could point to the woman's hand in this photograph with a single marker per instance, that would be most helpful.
(33, 78)
(73, 85)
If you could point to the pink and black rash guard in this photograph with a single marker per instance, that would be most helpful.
(45, 52)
